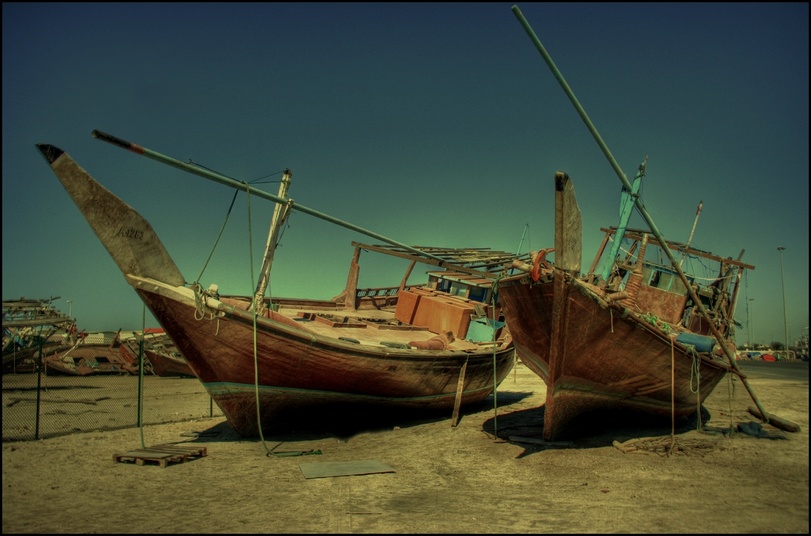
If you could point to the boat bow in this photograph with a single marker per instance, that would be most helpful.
(127, 236)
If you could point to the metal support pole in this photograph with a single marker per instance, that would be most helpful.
(783, 283)
(751, 323)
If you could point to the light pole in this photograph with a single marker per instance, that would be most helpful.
(70, 308)
(783, 281)
(751, 323)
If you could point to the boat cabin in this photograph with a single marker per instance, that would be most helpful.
(463, 285)
(652, 285)
(457, 299)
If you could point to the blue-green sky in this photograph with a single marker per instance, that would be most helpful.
(429, 123)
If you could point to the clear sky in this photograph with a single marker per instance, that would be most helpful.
(429, 123)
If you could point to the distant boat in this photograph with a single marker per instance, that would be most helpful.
(32, 327)
(93, 354)
(399, 347)
(801, 346)
(162, 355)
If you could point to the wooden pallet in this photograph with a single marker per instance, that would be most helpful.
(162, 455)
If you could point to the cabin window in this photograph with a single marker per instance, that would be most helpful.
(663, 279)
(478, 294)
(462, 289)
(458, 289)
(443, 285)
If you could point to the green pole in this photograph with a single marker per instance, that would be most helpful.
(39, 389)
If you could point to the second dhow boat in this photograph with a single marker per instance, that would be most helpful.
(259, 360)
(627, 338)
(643, 334)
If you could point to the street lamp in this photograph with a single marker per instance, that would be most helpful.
(783, 281)
(70, 308)
(751, 323)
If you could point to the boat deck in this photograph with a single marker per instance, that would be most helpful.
(372, 326)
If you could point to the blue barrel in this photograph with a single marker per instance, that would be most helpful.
(702, 343)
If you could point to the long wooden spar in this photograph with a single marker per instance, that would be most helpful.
(637, 201)
(222, 179)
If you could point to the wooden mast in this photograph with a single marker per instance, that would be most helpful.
(568, 249)
(280, 213)
(692, 232)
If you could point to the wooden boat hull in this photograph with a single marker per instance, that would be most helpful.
(295, 369)
(605, 359)
(159, 359)
(167, 366)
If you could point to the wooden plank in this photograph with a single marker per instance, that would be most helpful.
(460, 388)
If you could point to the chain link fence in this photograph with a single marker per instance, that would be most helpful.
(39, 406)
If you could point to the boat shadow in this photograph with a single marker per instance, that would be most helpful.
(524, 427)
(345, 422)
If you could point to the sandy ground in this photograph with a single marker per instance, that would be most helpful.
(486, 475)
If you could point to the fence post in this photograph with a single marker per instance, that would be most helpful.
(39, 385)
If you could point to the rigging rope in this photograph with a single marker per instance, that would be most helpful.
(228, 214)
(666, 446)
(694, 369)
(222, 229)
(695, 372)
(730, 396)
(253, 316)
